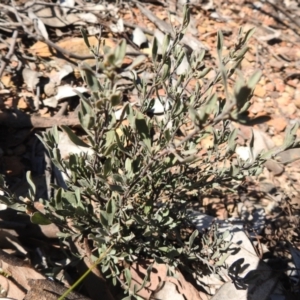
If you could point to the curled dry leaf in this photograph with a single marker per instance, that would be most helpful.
(38, 24)
(31, 78)
(88, 17)
(52, 16)
(63, 72)
(117, 28)
(50, 89)
(63, 92)
(66, 91)
(138, 37)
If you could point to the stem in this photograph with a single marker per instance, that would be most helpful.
(102, 256)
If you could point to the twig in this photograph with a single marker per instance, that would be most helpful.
(9, 53)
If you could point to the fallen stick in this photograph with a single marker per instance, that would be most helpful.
(17, 119)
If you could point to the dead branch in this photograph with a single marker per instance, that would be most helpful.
(18, 119)
(9, 53)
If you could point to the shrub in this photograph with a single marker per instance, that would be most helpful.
(131, 193)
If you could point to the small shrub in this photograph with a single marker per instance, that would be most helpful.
(131, 194)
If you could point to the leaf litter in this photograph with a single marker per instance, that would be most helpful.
(44, 61)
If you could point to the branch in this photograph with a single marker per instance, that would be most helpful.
(17, 119)
(9, 53)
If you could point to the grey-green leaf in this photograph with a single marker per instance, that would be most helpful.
(73, 137)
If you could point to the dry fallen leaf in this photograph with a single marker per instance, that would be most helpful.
(31, 78)
(72, 45)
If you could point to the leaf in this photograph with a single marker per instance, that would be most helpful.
(203, 73)
(127, 275)
(248, 34)
(69, 197)
(116, 188)
(131, 116)
(87, 120)
(111, 207)
(165, 44)
(40, 219)
(31, 183)
(107, 166)
(220, 39)
(73, 137)
(143, 130)
(140, 220)
(290, 136)
(104, 218)
(85, 37)
(5, 200)
(186, 16)
(231, 143)
(192, 238)
(128, 165)
(137, 61)
(115, 228)
(115, 98)
(254, 79)
(146, 278)
(89, 77)
(154, 50)
(166, 69)
(222, 259)
(120, 52)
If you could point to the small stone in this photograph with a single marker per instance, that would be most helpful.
(260, 91)
(257, 107)
(279, 84)
(289, 109)
(279, 124)
(283, 99)
(290, 90)
(270, 87)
